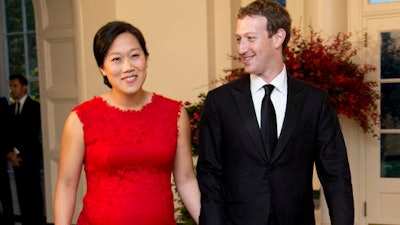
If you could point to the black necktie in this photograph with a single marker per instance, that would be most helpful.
(268, 120)
(18, 108)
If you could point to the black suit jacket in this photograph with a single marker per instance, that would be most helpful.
(4, 129)
(26, 132)
(239, 183)
(5, 144)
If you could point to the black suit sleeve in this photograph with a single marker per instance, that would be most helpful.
(333, 167)
(209, 166)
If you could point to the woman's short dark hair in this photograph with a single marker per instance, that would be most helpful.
(106, 35)
(277, 17)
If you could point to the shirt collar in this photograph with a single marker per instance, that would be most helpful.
(280, 82)
(23, 99)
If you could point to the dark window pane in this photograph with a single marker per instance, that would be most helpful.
(390, 106)
(34, 90)
(282, 2)
(16, 57)
(30, 17)
(32, 57)
(13, 16)
(21, 41)
(390, 55)
(390, 155)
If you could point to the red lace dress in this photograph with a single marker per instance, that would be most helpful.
(128, 162)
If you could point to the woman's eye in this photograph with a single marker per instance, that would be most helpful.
(115, 59)
(135, 55)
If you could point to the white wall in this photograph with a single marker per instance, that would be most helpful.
(188, 42)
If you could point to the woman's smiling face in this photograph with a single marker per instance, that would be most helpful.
(125, 64)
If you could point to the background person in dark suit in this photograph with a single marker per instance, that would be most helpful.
(242, 180)
(6, 212)
(26, 155)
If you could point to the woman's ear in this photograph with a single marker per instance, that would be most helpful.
(279, 38)
(103, 72)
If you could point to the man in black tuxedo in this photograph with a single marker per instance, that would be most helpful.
(6, 212)
(256, 171)
(26, 154)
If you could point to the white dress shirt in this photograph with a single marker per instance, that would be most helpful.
(278, 96)
(22, 102)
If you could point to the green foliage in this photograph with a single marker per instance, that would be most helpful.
(184, 217)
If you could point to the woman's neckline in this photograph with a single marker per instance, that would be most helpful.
(110, 103)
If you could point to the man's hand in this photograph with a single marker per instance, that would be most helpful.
(14, 159)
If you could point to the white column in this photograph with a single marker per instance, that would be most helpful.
(329, 16)
(245, 2)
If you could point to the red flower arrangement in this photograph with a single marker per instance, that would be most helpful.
(330, 67)
(194, 112)
(327, 65)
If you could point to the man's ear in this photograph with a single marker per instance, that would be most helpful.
(279, 38)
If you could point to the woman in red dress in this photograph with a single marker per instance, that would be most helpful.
(129, 141)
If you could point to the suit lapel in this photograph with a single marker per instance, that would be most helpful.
(295, 101)
(27, 104)
(242, 96)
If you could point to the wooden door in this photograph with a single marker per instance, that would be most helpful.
(382, 45)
